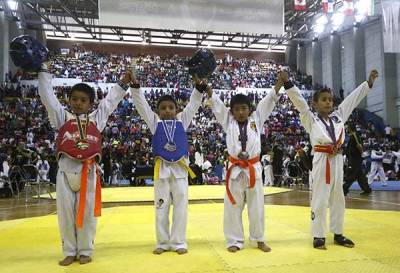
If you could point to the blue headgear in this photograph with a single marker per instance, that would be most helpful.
(28, 53)
(202, 63)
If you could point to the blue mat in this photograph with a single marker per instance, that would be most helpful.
(377, 186)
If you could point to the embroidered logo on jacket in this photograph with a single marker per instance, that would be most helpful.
(253, 126)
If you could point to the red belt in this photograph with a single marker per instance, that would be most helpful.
(330, 150)
(82, 195)
(242, 164)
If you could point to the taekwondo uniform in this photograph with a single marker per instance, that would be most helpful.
(244, 175)
(43, 168)
(327, 137)
(171, 153)
(377, 166)
(77, 168)
(268, 174)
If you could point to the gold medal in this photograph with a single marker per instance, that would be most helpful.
(82, 143)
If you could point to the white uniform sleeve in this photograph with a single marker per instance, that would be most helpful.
(396, 154)
(375, 156)
(220, 111)
(144, 109)
(265, 107)
(191, 108)
(108, 105)
(55, 110)
(306, 116)
(352, 100)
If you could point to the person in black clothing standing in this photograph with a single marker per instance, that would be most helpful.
(277, 161)
(354, 169)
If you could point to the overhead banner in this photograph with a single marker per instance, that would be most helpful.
(256, 16)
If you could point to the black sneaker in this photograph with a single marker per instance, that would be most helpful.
(339, 239)
(319, 243)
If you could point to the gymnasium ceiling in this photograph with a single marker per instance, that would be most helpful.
(79, 19)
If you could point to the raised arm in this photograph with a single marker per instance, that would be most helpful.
(141, 103)
(144, 109)
(194, 102)
(220, 111)
(355, 97)
(306, 116)
(108, 105)
(267, 104)
(55, 110)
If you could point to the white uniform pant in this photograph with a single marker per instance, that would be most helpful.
(233, 226)
(327, 195)
(42, 175)
(76, 241)
(268, 176)
(167, 192)
(376, 167)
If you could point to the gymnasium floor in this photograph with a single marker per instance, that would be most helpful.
(29, 239)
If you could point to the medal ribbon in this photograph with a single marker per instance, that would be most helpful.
(82, 128)
(330, 128)
(169, 132)
(243, 135)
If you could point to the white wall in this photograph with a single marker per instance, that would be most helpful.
(347, 56)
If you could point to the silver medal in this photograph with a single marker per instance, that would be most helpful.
(169, 131)
(170, 147)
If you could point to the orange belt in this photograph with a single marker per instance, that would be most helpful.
(242, 164)
(330, 150)
(82, 195)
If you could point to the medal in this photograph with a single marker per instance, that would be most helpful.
(82, 144)
(243, 155)
(170, 147)
(169, 130)
(330, 128)
(331, 131)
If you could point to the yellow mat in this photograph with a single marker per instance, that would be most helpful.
(132, 194)
(126, 237)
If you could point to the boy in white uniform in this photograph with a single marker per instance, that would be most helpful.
(244, 176)
(377, 165)
(326, 129)
(43, 168)
(170, 148)
(79, 146)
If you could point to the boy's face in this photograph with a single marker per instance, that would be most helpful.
(79, 102)
(167, 110)
(241, 112)
(324, 104)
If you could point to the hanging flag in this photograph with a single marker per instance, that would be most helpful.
(327, 6)
(300, 5)
(348, 7)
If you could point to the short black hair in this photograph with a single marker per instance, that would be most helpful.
(166, 98)
(318, 93)
(240, 99)
(85, 88)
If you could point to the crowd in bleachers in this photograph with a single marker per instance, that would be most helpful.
(126, 149)
(169, 71)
